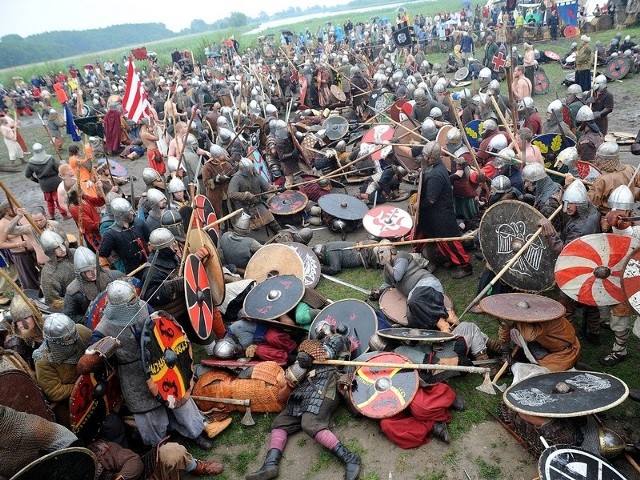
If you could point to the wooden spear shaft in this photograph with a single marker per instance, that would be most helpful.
(14, 201)
(510, 263)
(412, 366)
(462, 133)
(222, 219)
(468, 236)
(504, 122)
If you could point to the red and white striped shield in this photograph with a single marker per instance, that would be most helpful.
(590, 268)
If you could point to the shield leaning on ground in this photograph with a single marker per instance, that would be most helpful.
(461, 74)
(566, 394)
(272, 298)
(310, 263)
(386, 221)
(522, 307)
(540, 83)
(274, 259)
(357, 317)
(345, 207)
(197, 292)
(589, 269)
(335, 127)
(504, 229)
(567, 462)
(381, 392)
(20, 392)
(197, 239)
(93, 397)
(167, 359)
(58, 465)
(617, 68)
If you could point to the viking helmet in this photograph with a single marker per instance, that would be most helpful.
(384, 252)
(498, 142)
(245, 166)
(150, 175)
(120, 292)
(19, 309)
(525, 104)
(621, 199)
(600, 83)
(428, 129)
(555, 106)
(435, 113)
(50, 240)
(419, 95)
(431, 151)
(154, 197)
(304, 235)
(454, 136)
(341, 147)
(172, 164)
(575, 89)
(271, 109)
(242, 226)
(225, 135)
(320, 250)
(585, 114)
(217, 151)
(500, 184)
(607, 157)
(227, 348)
(494, 85)
(59, 329)
(161, 238)
(574, 193)
(533, 172)
(175, 185)
(490, 125)
(172, 220)
(280, 130)
(503, 158)
(83, 260)
(222, 122)
(568, 156)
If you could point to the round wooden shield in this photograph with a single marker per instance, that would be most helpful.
(93, 397)
(259, 164)
(401, 110)
(461, 74)
(197, 292)
(474, 130)
(386, 221)
(540, 83)
(617, 68)
(394, 305)
(570, 32)
(167, 360)
(408, 131)
(631, 280)
(551, 144)
(589, 269)
(345, 207)
(335, 127)
(566, 462)
(587, 171)
(504, 229)
(197, 239)
(274, 259)
(97, 306)
(415, 335)
(288, 202)
(20, 392)
(60, 464)
(585, 393)
(374, 138)
(441, 137)
(204, 215)
(379, 101)
(358, 317)
(522, 307)
(552, 55)
(273, 297)
(117, 169)
(310, 263)
(337, 94)
(382, 392)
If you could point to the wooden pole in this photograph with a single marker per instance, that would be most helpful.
(14, 202)
(220, 220)
(504, 122)
(468, 236)
(46, 129)
(462, 133)
(412, 366)
(510, 263)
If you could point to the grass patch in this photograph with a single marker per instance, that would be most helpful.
(451, 458)
(487, 471)
(321, 463)
(435, 475)
(371, 476)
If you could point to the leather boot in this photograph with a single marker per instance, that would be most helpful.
(351, 461)
(493, 346)
(269, 468)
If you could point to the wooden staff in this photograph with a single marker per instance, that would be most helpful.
(46, 129)
(36, 313)
(506, 125)
(222, 219)
(510, 263)
(467, 236)
(462, 133)
(14, 202)
(412, 366)
(184, 140)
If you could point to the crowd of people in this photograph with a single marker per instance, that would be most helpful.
(244, 127)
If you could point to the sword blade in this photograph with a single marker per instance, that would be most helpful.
(345, 284)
